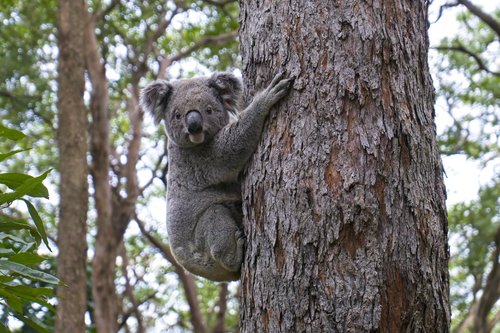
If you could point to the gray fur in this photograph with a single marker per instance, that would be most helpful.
(204, 192)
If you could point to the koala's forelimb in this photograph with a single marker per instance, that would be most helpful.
(242, 136)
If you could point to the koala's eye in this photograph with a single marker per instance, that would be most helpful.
(209, 110)
(177, 115)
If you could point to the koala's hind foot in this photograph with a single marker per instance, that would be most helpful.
(225, 240)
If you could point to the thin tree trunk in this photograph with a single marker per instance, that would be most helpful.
(103, 265)
(220, 325)
(344, 199)
(73, 189)
(187, 281)
(477, 319)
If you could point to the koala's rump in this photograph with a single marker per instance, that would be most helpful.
(185, 208)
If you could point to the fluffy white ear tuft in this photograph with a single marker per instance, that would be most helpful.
(155, 97)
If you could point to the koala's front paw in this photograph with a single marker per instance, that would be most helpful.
(278, 89)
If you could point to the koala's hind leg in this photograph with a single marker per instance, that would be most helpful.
(225, 238)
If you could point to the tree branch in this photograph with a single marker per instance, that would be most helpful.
(461, 48)
(491, 291)
(214, 40)
(129, 292)
(220, 3)
(493, 322)
(187, 279)
(476, 319)
(18, 99)
(163, 24)
(153, 172)
(441, 9)
(486, 18)
(220, 326)
(128, 313)
(101, 14)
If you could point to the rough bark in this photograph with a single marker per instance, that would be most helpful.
(73, 188)
(344, 199)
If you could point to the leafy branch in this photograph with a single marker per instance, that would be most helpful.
(18, 251)
(463, 49)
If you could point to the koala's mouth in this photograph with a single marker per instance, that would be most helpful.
(197, 138)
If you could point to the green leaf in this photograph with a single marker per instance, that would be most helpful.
(29, 247)
(4, 279)
(13, 301)
(8, 225)
(32, 294)
(12, 238)
(32, 323)
(28, 186)
(27, 291)
(6, 155)
(3, 329)
(10, 133)
(38, 222)
(33, 274)
(26, 258)
(6, 252)
(15, 180)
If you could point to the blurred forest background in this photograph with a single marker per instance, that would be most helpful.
(128, 269)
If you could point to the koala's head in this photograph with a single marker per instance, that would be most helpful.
(193, 110)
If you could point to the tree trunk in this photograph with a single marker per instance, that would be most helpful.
(106, 245)
(72, 141)
(344, 199)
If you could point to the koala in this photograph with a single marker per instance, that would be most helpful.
(209, 144)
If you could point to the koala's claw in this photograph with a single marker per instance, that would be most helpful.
(277, 91)
(276, 79)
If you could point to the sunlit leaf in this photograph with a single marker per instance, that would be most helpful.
(32, 323)
(33, 274)
(7, 155)
(10, 133)
(15, 180)
(28, 186)
(38, 222)
(28, 259)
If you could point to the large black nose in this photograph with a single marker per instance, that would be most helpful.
(194, 122)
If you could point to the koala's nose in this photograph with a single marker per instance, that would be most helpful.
(194, 122)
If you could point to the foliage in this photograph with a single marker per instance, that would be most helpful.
(468, 80)
(469, 84)
(28, 45)
(21, 281)
(473, 227)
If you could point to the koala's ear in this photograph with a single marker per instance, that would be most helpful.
(228, 87)
(155, 97)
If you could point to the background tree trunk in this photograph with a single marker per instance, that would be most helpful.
(72, 135)
(344, 200)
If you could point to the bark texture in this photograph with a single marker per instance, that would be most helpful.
(344, 199)
(72, 142)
